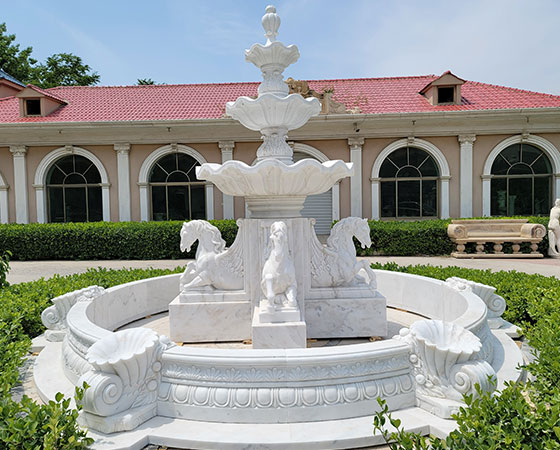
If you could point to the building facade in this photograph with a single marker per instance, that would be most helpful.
(422, 147)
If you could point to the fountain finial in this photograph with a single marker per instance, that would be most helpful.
(270, 23)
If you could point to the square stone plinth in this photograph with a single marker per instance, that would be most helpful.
(209, 321)
(278, 335)
(346, 317)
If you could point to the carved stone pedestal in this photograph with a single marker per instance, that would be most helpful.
(336, 294)
(278, 335)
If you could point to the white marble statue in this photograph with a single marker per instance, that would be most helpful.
(214, 267)
(335, 264)
(554, 231)
(278, 281)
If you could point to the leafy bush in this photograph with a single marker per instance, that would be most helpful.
(101, 240)
(516, 419)
(26, 424)
(4, 268)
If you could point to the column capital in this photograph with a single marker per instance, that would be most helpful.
(355, 142)
(122, 148)
(19, 150)
(226, 145)
(466, 138)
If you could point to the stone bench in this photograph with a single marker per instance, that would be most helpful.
(496, 231)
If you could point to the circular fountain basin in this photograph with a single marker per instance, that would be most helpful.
(230, 385)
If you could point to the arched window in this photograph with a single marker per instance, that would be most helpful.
(409, 184)
(521, 182)
(74, 190)
(175, 191)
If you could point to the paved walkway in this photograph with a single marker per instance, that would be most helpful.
(22, 271)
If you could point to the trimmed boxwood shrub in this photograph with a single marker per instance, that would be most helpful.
(160, 240)
(101, 240)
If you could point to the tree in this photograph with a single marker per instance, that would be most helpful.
(145, 81)
(64, 69)
(18, 63)
(59, 69)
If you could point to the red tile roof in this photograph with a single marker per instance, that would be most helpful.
(207, 101)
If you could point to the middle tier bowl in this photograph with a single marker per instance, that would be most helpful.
(271, 184)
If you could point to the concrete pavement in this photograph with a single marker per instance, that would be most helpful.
(22, 271)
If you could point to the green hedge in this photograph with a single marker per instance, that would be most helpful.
(101, 240)
(425, 237)
(160, 240)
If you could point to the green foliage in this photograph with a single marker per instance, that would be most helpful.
(516, 419)
(64, 69)
(522, 416)
(13, 60)
(101, 240)
(424, 237)
(4, 268)
(59, 69)
(145, 81)
(26, 424)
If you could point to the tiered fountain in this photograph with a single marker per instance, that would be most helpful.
(278, 286)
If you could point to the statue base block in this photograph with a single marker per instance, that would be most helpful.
(346, 317)
(284, 315)
(278, 335)
(209, 321)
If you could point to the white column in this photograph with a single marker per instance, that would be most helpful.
(144, 205)
(375, 215)
(209, 201)
(20, 182)
(336, 201)
(466, 173)
(356, 179)
(123, 180)
(4, 203)
(41, 203)
(106, 200)
(227, 154)
(444, 197)
(486, 195)
(557, 187)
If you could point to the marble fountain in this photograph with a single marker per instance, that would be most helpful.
(308, 325)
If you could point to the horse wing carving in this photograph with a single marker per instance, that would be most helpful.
(215, 266)
(335, 264)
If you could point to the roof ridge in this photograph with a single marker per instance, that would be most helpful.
(144, 86)
(526, 91)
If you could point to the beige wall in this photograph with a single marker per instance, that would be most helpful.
(246, 152)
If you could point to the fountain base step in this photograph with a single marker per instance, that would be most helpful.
(278, 335)
(209, 321)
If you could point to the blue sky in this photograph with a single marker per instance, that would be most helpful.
(508, 42)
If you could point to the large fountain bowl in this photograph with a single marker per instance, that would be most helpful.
(269, 110)
(272, 177)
